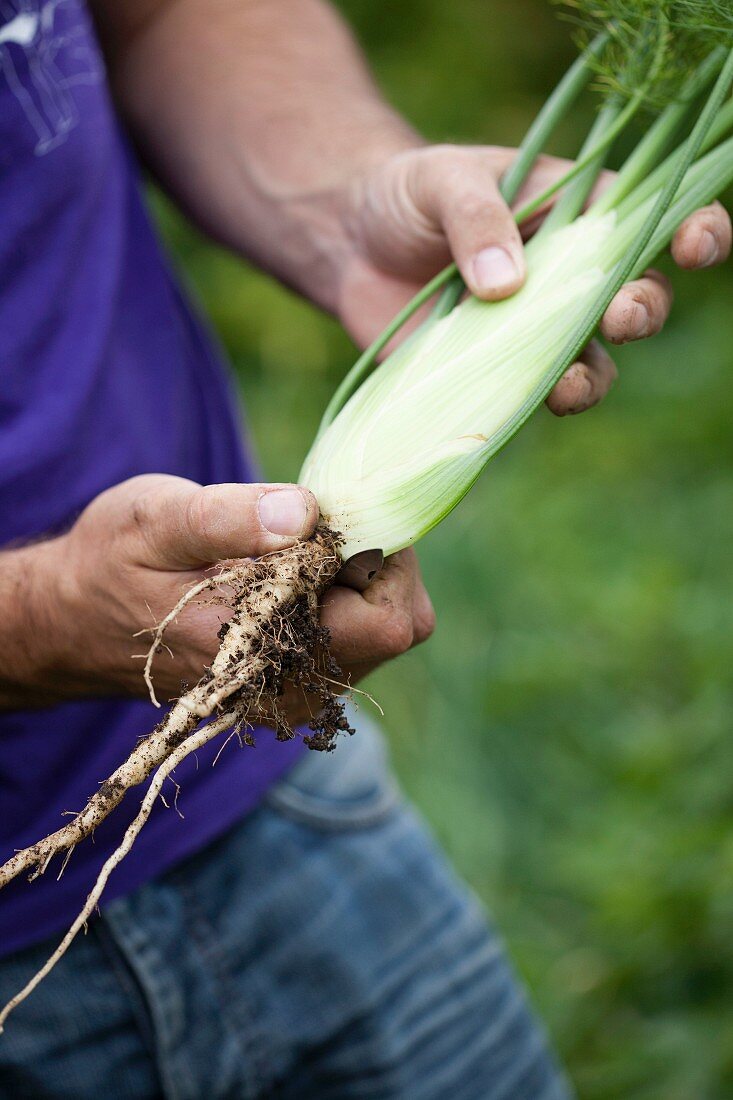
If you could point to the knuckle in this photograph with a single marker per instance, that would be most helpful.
(117, 503)
(638, 296)
(199, 512)
(136, 502)
(397, 632)
(426, 171)
(451, 166)
(629, 316)
(648, 313)
(424, 626)
(658, 309)
(660, 294)
(443, 156)
(140, 513)
(612, 323)
(140, 517)
(710, 219)
(497, 158)
(686, 245)
(142, 483)
(477, 208)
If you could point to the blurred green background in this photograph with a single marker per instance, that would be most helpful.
(566, 731)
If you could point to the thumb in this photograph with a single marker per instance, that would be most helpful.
(184, 525)
(458, 189)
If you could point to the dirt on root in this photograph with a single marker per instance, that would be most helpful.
(295, 648)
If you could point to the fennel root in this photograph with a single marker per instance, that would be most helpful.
(272, 638)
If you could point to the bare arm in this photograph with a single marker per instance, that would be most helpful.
(256, 114)
(261, 117)
(28, 627)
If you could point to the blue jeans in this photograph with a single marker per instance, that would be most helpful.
(321, 950)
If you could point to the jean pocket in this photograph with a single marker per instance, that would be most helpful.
(349, 788)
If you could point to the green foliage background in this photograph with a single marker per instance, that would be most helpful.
(567, 730)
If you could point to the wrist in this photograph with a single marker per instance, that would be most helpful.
(317, 238)
(32, 631)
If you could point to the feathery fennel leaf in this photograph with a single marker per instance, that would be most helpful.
(655, 44)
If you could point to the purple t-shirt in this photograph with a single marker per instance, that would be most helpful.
(104, 373)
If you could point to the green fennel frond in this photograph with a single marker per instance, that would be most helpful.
(654, 44)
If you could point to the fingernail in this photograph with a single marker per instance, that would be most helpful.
(494, 269)
(708, 250)
(283, 511)
(360, 570)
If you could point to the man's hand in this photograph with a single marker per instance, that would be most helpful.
(262, 120)
(278, 143)
(407, 218)
(78, 600)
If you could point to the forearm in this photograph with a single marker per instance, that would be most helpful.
(254, 114)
